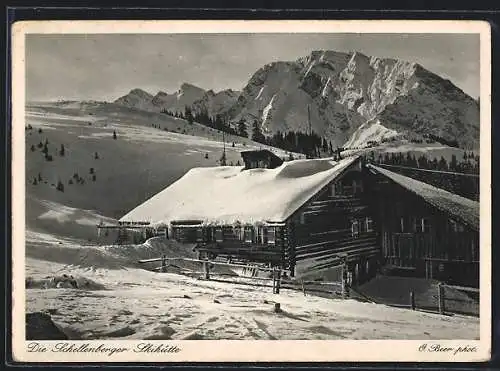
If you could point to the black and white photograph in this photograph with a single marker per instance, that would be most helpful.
(197, 183)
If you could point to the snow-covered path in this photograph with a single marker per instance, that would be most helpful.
(139, 304)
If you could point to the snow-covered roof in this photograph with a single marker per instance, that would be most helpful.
(461, 208)
(227, 195)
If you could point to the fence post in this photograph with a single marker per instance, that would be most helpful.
(278, 281)
(412, 300)
(207, 270)
(164, 263)
(303, 287)
(275, 281)
(345, 284)
(441, 298)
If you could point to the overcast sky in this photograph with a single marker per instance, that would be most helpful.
(106, 66)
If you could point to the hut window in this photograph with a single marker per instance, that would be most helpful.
(218, 235)
(271, 235)
(302, 218)
(248, 234)
(259, 235)
(369, 224)
(402, 224)
(357, 187)
(456, 227)
(355, 228)
(332, 190)
(199, 234)
(336, 189)
(421, 225)
(426, 225)
(264, 235)
(362, 226)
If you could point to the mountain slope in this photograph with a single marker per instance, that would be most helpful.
(175, 102)
(346, 90)
(136, 98)
(216, 103)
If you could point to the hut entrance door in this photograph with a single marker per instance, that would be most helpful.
(404, 246)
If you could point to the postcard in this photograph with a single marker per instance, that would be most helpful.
(214, 191)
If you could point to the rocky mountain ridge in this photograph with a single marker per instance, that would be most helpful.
(344, 97)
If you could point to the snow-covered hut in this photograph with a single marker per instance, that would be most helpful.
(425, 231)
(279, 214)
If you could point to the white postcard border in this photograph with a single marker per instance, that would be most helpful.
(240, 350)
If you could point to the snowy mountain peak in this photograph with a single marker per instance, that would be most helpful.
(136, 98)
(185, 87)
(140, 93)
(346, 90)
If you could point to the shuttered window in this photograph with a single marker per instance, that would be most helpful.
(355, 228)
(218, 235)
(369, 224)
(199, 234)
(248, 234)
(271, 235)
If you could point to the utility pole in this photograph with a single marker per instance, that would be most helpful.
(309, 118)
(223, 158)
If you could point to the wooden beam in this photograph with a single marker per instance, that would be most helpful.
(134, 223)
(337, 243)
(463, 288)
(210, 262)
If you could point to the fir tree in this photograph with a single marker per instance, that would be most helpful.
(453, 163)
(96, 156)
(114, 134)
(257, 135)
(62, 151)
(442, 165)
(32, 148)
(188, 115)
(242, 129)
(60, 186)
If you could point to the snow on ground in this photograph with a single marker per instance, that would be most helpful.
(127, 302)
(54, 116)
(62, 214)
(138, 304)
(257, 195)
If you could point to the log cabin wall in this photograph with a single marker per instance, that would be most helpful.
(337, 222)
(420, 240)
(250, 243)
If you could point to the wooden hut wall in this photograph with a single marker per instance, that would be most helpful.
(263, 244)
(418, 237)
(336, 223)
